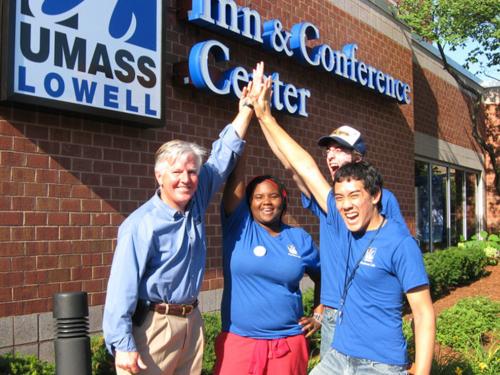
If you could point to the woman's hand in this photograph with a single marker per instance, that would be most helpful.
(310, 324)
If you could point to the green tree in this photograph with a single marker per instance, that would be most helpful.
(454, 23)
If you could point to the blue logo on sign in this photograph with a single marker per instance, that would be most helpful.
(127, 14)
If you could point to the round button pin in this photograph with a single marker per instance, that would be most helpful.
(259, 251)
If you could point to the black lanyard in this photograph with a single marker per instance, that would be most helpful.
(348, 280)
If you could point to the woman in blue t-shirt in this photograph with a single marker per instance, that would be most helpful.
(263, 327)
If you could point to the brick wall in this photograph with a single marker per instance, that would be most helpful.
(67, 180)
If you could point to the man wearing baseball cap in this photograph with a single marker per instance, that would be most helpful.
(344, 145)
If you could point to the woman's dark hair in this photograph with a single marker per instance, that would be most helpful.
(259, 179)
(364, 172)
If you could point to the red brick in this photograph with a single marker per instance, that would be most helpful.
(9, 279)
(70, 233)
(47, 262)
(91, 205)
(48, 290)
(60, 135)
(11, 218)
(23, 264)
(59, 190)
(5, 234)
(23, 174)
(60, 247)
(24, 145)
(24, 293)
(35, 218)
(35, 277)
(80, 191)
(5, 294)
(34, 306)
(92, 286)
(37, 161)
(47, 233)
(81, 273)
(79, 219)
(68, 261)
(23, 234)
(58, 275)
(91, 233)
(12, 159)
(9, 129)
(5, 173)
(37, 248)
(23, 203)
(72, 286)
(101, 272)
(10, 309)
(11, 188)
(92, 259)
(5, 264)
(47, 176)
(58, 218)
(70, 205)
(83, 165)
(100, 219)
(36, 190)
(97, 299)
(47, 204)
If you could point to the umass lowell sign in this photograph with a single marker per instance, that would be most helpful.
(93, 56)
(227, 18)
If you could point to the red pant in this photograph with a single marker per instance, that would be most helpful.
(243, 355)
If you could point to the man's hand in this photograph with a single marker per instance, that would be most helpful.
(129, 361)
(262, 104)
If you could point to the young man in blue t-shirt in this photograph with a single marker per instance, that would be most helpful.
(344, 145)
(379, 261)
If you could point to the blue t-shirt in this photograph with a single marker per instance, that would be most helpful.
(330, 265)
(261, 297)
(371, 326)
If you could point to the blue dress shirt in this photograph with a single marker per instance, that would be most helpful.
(160, 252)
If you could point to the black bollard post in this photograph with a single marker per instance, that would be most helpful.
(72, 342)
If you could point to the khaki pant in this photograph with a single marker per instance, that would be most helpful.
(170, 345)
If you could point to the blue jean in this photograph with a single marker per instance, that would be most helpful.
(337, 363)
(327, 330)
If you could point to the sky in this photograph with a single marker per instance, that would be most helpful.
(459, 56)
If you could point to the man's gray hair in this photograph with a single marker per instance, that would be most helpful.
(170, 151)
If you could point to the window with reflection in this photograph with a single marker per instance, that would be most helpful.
(422, 204)
(470, 196)
(456, 204)
(445, 205)
(438, 208)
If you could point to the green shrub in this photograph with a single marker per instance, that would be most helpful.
(454, 267)
(213, 327)
(14, 364)
(102, 362)
(462, 326)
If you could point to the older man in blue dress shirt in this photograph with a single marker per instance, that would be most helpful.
(151, 321)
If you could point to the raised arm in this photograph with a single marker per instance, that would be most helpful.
(234, 191)
(297, 157)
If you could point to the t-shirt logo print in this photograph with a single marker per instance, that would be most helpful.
(369, 256)
(292, 251)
